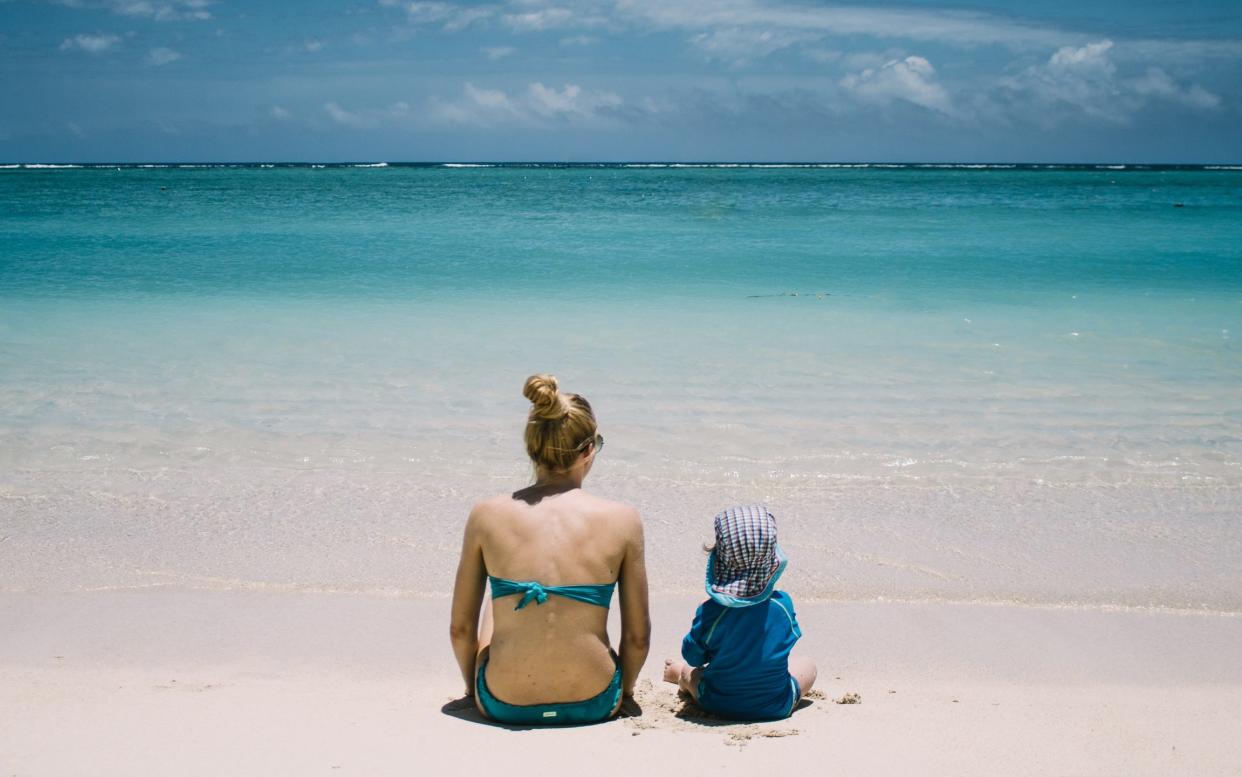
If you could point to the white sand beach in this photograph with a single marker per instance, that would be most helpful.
(213, 683)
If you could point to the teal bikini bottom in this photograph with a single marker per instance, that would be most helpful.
(594, 710)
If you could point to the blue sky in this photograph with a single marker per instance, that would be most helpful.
(580, 80)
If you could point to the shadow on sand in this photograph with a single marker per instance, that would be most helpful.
(463, 709)
(693, 713)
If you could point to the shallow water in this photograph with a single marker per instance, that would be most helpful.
(997, 384)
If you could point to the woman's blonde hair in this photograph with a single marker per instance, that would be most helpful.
(560, 426)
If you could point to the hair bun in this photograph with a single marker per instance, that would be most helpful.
(549, 403)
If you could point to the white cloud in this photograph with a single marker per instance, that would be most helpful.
(1184, 50)
(1080, 77)
(1084, 81)
(162, 10)
(93, 44)
(739, 31)
(498, 52)
(861, 60)
(489, 99)
(1157, 83)
(367, 119)
(911, 79)
(951, 26)
(823, 56)
(517, 15)
(739, 45)
(450, 16)
(570, 100)
(542, 19)
(1093, 56)
(162, 56)
(280, 114)
(342, 116)
(312, 45)
(943, 25)
(538, 105)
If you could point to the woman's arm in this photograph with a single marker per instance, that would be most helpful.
(467, 595)
(635, 616)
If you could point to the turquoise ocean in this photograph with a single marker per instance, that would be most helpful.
(956, 382)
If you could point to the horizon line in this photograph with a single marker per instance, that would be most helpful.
(583, 163)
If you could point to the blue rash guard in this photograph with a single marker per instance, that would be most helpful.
(746, 653)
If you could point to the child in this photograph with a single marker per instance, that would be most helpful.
(736, 655)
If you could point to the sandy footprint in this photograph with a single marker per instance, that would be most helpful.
(664, 708)
(173, 685)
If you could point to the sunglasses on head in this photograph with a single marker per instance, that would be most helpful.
(598, 440)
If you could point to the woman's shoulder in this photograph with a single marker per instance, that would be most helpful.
(618, 516)
(486, 511)
(484, 508)
(502, 504)
(611, 507)
(492, 504)
(621, 518)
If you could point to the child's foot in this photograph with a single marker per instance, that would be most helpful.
(672, 671)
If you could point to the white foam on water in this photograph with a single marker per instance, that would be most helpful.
(965, 166)
(465, 164)
(371, 164)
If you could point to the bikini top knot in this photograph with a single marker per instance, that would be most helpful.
(532, 591)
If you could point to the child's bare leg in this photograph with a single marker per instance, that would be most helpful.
(672, 670)
(803, 670)
(684, 676)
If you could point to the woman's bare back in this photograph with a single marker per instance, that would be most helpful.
(558, 650)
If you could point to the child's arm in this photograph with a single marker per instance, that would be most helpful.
(785, 602)
(694, 648)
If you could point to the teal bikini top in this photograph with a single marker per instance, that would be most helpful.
(598, 595)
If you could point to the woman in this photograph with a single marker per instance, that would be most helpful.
(553, 554)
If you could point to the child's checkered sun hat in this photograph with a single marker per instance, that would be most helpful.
(744, 566)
